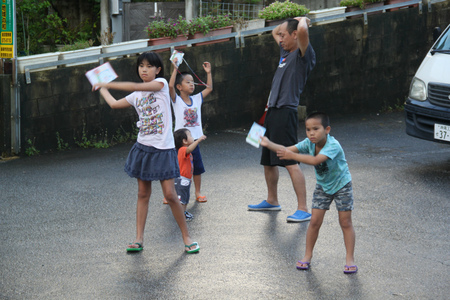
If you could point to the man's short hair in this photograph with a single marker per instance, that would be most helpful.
(323, 117)
(292, 25)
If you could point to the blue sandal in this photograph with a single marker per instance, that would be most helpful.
(303, 263)
(348, 271)
(264, 205)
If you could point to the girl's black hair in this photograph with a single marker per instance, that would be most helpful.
(153, 59)
(180, 135)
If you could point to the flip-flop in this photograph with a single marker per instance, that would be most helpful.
(350, 271)
(201, 199)
(195, 250)
(134, 249)
(303, 263)
(165, 201)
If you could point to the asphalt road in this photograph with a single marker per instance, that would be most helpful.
(66, 217)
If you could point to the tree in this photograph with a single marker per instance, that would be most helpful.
(45, 23)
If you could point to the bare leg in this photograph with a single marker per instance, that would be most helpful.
(345, 220)
(312, 234)
(272, 174)
(198, 185)
(170, 194)
(144, 192)
(298, 181)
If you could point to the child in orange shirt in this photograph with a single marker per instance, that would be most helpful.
(185, 144)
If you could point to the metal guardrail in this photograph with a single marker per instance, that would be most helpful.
(238, 36)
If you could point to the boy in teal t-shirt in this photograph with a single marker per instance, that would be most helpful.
(334, 182)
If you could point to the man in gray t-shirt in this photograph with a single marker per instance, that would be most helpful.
(297, 59)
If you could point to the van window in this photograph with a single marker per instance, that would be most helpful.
(443, 43)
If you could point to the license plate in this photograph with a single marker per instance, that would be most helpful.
(442, 132)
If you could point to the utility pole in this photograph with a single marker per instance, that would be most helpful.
(191, 7)
(8, 49)
(104, 17)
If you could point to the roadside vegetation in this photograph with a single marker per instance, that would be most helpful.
(42, 25)
(97, 141)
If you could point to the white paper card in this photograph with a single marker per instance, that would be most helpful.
(255, 134)
(102, 73)
(178, 55)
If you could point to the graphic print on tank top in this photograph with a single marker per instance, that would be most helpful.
(151, 120)
(191, 117)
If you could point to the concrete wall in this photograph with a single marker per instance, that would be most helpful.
(360, 69)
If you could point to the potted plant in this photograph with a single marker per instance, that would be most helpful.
(374, 3)
(387, 2)
(354, 5)
(123, 46)
(240, 24)
(79, 49)
(327, 12)
(210, 26)
(162, 32)
(280, 11)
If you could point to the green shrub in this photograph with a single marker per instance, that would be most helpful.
(282, 10)
(360, 3)
(172, 28)
(77, 45)
(38, 24)
(31, 149)
(207, 23)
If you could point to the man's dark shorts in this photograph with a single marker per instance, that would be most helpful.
(281, 128)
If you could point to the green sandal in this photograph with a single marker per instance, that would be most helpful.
(195, 250)
(133, 249)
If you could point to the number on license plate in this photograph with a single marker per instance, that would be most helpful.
(442, 132)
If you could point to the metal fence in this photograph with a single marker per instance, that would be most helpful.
(234, 10)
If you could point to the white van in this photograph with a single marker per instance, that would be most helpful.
(428, 105)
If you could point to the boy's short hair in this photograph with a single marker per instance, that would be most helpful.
(323, 117)
(180, 135)
(180, 77)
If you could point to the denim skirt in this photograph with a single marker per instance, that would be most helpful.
(149, 163)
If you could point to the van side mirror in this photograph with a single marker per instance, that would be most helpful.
(436, 33)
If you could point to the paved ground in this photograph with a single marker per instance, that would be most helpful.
(65, 219)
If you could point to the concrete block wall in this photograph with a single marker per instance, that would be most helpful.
(366, 67)
(360, 69)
